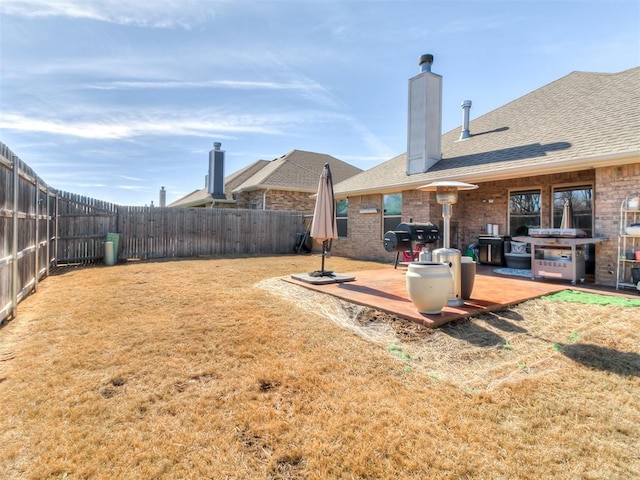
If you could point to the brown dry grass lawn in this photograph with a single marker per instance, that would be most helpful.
(216, 368)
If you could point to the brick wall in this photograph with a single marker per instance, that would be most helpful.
(364, 230)
(474, 210)
(287, 200)
(277, 200)
(246, 199)
(615, 184)
(489, 204)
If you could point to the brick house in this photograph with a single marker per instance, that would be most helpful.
(285, 183)
(576, 137)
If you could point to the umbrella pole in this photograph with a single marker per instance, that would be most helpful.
(322, 272)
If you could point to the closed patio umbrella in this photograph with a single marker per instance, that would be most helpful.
(324, 226)
(567, 215)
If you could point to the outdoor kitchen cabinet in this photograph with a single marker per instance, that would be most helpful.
(559, 258)
(491, 249)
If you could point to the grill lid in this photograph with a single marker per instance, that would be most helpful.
(397, 241)
(421, 232)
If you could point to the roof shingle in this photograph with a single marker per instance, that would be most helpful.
(297, 171)
(580, 119)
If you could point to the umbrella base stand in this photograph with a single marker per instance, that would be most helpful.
(323, 279)
(322, 273)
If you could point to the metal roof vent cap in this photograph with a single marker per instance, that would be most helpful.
(425, 62)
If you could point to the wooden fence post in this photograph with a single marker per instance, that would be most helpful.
(14, 250)
(36, 272)
(55, 227)
(49, 219)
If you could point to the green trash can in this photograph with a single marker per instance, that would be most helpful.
(115, 239)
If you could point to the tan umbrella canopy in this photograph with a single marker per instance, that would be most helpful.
(567, 215)
(324, 226)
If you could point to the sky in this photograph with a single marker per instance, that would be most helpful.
(113, 99)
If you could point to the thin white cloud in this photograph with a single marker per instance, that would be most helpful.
(318, 94)
(65, 178)
(131, 127)
(230, 84)
(130, 178)
(373, 143)
(156, 14)
(133, 188)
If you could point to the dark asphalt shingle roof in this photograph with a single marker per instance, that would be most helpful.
(577, 121)
(297, 171)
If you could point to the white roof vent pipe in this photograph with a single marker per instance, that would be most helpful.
(466, 107)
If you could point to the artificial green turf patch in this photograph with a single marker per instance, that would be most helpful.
(592, 299)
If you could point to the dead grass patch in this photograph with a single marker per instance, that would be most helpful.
(218, 369)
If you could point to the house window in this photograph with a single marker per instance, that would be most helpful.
(254, 206)
(580, 199)
(341, 217)
(392, 211)
(524, 211)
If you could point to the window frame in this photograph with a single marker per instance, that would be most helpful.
(556, 211)
(388, 219)
(524, 191)
(342, 221)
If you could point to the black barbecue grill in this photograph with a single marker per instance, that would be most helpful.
(410, 237)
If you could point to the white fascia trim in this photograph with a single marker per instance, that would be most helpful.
(581, 163)
(253, 188)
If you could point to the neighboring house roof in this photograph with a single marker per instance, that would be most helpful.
(583, 120)
(199, 198)
(297, 171)
(233, 181)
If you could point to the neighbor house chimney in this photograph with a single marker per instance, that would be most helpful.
(163, 197)
(215, 179)
(425, 118)
(466, 107)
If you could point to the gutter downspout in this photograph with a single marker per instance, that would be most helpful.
(264, 199)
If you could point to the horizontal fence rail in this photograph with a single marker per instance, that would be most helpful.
(41, 227)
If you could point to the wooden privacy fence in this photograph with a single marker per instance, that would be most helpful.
(41, 227)
(83, 224)
(152, 232)
(26, 229)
